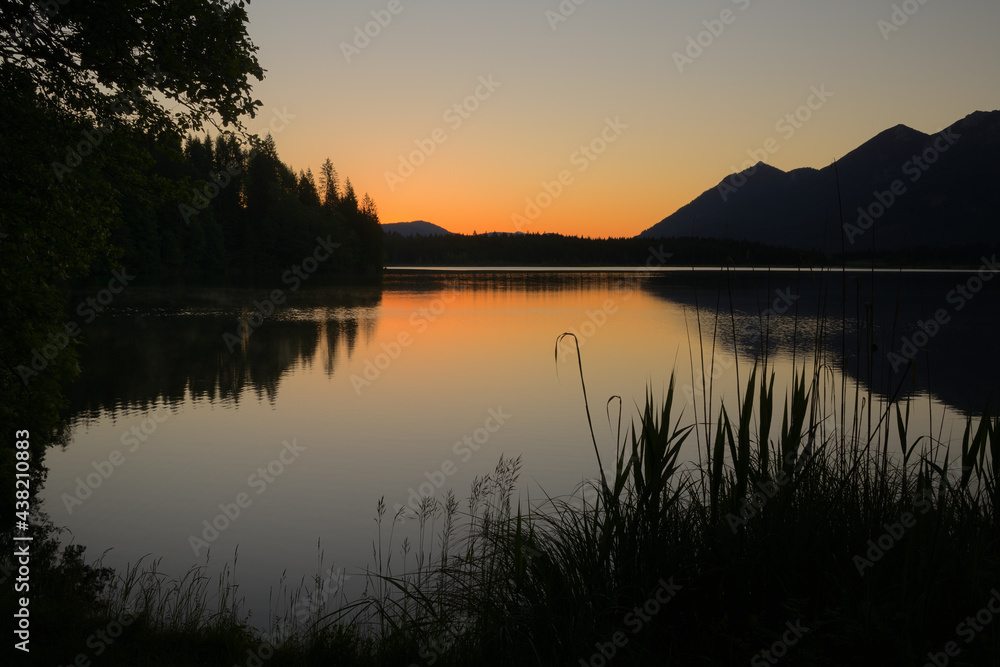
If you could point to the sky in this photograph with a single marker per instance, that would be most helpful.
(600, 118)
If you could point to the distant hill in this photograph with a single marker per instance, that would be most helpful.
(415, 228)
(947, 193)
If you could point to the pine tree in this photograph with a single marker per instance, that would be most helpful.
(372, 238)
(230, 170)
(349, 202)
(308, 194)
(329, 185)
(368, 208)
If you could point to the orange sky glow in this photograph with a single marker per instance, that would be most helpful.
(602, 120)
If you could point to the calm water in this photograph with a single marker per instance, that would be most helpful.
(344, 395)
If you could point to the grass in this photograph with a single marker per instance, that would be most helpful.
(820, 508)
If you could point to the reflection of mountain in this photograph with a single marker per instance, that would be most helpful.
(958, 365)
(147, 351)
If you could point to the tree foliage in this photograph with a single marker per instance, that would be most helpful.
(157, 66)
(244, 212)
(94, 99)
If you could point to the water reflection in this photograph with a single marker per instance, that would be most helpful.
(859, 319)
(153, 350)
(479, 342)
(161, 345)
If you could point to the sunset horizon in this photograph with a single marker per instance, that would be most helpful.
(472, 142)
(755, 158)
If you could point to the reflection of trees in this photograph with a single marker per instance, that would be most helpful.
(150, 354)
(859, 320)
(341, 329)
(349, 327)
(145, 353)
(332, 339)
(501, 281)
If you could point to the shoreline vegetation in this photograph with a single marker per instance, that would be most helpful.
(798, 531)
(557, 250)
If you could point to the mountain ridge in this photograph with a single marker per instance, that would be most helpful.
(915, 189)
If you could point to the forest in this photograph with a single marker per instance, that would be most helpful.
(238, 211)
(537, 249)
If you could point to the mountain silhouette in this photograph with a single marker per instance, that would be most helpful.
(415, 228)
(901, 189)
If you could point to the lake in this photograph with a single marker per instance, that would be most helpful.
(285, 430)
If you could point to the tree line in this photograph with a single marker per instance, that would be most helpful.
(237, 210)
(537, 249)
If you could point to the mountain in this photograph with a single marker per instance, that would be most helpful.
(415, 228)
(901, 189)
